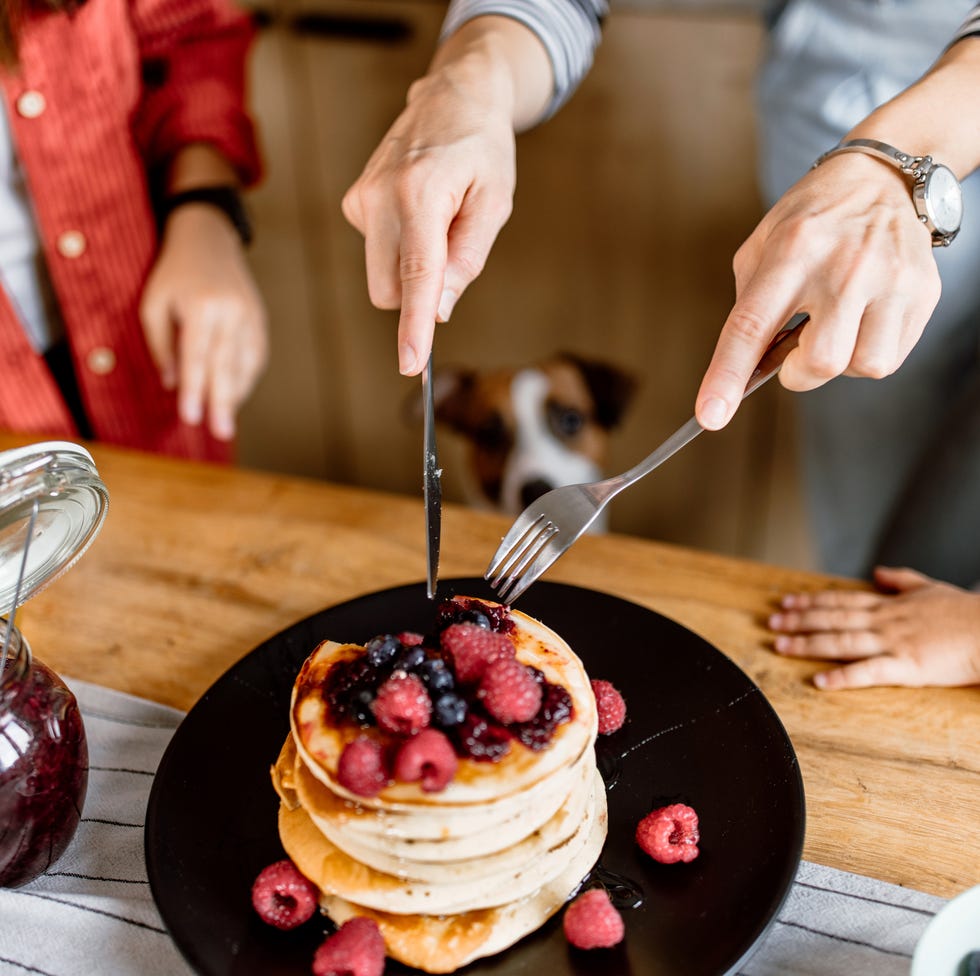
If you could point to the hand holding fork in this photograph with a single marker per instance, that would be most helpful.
(548, 526)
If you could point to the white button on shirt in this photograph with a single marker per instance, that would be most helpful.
(101, 360)
(31, 104)
(71, 244)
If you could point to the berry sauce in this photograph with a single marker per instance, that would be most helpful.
(351, 686)
(43, 765)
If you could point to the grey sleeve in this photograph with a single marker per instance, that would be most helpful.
(570, 31)
(969, 26)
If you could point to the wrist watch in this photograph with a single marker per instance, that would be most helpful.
(936, 192)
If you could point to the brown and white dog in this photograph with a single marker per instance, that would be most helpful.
(531, 429)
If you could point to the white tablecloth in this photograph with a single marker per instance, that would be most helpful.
(92, 914)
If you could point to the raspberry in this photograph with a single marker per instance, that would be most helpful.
(610, 705)
(355, 949)
(361, 767)
(283, 897)
(591, 922)
(402, 704)
(670, 834)
(509, 691)
(473, 648)
(429, 757)
(409, 638)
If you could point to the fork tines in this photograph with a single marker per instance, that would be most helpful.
(508, 572)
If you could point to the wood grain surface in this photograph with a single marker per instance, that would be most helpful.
(196, 565)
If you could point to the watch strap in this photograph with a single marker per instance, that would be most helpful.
(226, 198)
(918, 168)
(914, 166)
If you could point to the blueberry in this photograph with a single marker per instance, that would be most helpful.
(449, 709)
(382, 649)
(436, 675)
(475, 617)
(409, 658)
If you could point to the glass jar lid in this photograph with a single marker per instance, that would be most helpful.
(71, 506)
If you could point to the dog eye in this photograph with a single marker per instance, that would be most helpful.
(565, 422)
(492, 434)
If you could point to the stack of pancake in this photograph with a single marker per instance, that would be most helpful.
(459, 874)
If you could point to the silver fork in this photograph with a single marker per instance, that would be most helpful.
(548, 526)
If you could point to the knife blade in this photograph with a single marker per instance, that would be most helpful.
(431, 483)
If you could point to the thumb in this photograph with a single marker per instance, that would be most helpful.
(900, 580)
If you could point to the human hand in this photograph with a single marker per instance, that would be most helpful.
(844, 244)
(918, 632)
(439, 187)
(430, 204)
(203, 318)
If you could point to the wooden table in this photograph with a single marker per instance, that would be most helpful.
(196, 565)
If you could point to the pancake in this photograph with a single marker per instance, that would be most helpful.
(336, 873)
(476, 855)
(444, 943)
(457, 874)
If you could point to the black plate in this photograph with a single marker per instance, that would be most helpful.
(698, 731)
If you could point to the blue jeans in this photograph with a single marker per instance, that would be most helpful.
(891, 467)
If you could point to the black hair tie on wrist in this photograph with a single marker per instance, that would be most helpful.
(226, 198)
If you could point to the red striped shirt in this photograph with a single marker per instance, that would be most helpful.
(100, 99)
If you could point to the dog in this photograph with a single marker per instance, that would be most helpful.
(528, 430)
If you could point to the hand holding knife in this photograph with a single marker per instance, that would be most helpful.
(431, 483)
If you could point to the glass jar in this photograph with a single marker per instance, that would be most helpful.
(43, 764)
(52, 504)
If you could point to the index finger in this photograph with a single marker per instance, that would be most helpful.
(422, 269)
(751, 325)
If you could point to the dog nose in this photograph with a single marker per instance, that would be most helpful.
(532, 490)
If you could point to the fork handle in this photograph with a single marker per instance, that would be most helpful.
(769, 365)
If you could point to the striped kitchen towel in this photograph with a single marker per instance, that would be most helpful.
(92, 914)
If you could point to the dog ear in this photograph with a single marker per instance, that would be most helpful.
(451, 388)
(612, 388)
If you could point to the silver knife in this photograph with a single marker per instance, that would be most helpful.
(431, 484)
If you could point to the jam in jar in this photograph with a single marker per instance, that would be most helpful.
(43, 764)
(52, 504)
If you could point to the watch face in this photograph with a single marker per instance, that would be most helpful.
(944, 200)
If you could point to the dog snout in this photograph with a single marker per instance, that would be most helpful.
(532, 490)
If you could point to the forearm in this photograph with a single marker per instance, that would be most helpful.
(199, 164)
(498, 60)
(568, 30)
(937, 116)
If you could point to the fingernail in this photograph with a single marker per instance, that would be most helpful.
(714, 413)
(447, 301)
(407, 359)
(820, 679)
(776, 621)
(782, 644)
(223, 428)
(190, 413)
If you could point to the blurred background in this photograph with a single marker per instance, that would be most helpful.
(630, 205)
